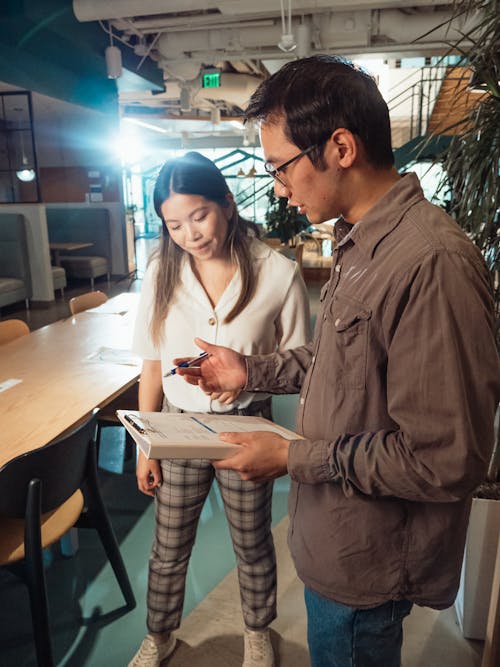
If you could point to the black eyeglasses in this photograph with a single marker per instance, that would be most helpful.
(274, 171)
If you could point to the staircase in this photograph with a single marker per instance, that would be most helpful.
(430, 130)
(453, 104)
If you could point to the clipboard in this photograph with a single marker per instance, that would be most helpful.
(191, 435)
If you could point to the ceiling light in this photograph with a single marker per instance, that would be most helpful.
(185, 99)
(148, 126)
(303, 40)
(113, 57)
(287, 42)
(26, 175)
(215, 116)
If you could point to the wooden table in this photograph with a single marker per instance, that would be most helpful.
(59, 386)
(56, 247)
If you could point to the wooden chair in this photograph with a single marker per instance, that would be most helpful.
(11, 329)
(299, 254)
(40, 500)
(85, 301)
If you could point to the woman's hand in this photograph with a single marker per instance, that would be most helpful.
(226, 397)
(148, 473)
(223, 371)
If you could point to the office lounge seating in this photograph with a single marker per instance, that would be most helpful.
(40, 500)
(82, 225)
(12, 329)
(15, 278)
(86, 266)
(59, 278)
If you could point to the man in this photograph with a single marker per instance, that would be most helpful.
(399, 387)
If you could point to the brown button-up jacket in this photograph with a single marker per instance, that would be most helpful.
(397, 399)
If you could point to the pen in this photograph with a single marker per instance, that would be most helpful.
(187, 364)
(136, 423)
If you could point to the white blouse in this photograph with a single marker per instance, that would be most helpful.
(277, 318)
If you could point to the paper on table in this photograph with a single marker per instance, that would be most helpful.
(114, 356)
(7, 384)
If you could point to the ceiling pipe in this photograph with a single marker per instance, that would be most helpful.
(342, 31)
(235, 89)
(95, 10)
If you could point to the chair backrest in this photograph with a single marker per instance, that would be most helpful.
(299, 253)
(86, 301)
(11, 329)
(60, 466)
(85, 224)
(14, 259)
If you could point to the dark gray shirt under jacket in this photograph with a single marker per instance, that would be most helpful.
(398, 394)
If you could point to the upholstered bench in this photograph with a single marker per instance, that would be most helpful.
(12, 290)
(59, 278)
(85, 266)
(15, 279)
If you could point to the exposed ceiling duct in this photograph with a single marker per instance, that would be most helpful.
(241, 39)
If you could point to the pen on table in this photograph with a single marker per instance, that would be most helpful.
(187, 364)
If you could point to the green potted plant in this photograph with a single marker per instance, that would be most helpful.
(283, 221)
(471, 167)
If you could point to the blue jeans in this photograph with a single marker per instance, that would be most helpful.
(340, 636)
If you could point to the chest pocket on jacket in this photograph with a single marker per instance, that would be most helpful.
(350, 320)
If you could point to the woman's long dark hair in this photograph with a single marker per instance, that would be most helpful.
(194, 174)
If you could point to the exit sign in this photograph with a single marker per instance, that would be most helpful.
(211, 79)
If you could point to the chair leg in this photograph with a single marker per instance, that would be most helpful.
(98, 435)
(92, 284)
(100, 520)
(35, 576)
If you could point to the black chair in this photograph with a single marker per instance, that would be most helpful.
(40, 500)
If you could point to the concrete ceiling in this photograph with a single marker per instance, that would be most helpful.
(57, 47)
(248, 40)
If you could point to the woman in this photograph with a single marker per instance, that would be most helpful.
(211, 278)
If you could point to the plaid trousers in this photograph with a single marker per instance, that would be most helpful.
(178, 504)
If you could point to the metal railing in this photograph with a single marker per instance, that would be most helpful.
(421, 97)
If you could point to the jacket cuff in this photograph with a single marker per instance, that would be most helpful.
(308, 462)
(260, 372)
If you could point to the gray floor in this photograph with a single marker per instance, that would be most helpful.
(91, 628)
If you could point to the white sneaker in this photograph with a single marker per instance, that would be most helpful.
(152, 654)
(258, 649)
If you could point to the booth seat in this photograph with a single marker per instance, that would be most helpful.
(90, 226)
(85, 266)
(15, 278)
(59, 278)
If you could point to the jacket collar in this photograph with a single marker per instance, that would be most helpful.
(383, 217)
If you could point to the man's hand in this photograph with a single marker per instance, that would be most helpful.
(148, 473)
(224, 371)
(263, 455)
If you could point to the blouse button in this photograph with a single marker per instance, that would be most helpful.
(212, 321)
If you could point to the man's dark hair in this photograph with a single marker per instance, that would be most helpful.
(319, 94)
